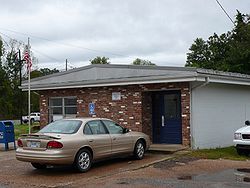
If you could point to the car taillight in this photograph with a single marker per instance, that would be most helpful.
(54, 144)
(19, 143)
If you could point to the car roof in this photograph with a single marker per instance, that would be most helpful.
(85, 119)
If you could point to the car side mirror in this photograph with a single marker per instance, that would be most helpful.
(247, 122)
(125, 130)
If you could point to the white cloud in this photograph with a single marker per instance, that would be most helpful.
(160, 31)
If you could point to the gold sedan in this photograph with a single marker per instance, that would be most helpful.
(80, 142)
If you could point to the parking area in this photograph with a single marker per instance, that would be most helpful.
(155, 170)
(14, 173)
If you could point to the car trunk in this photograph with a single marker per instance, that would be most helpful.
(38, 141)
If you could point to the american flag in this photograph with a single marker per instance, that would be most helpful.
(27, 58)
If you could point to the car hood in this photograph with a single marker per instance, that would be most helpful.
(245, 129)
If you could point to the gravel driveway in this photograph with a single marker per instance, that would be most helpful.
(156, 170)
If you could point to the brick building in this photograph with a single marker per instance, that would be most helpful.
(173, 105)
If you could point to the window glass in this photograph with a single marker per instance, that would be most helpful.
(32, 114)
(172, 106)
(62, 127)
(113, 127)
(97, 127)
(70, 101)
(56, 102)
(87, 129)
(70, 110)
(56, 110)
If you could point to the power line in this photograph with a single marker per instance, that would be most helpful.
(225, 12)
(52, 58)
(62, 43)
(45, 55)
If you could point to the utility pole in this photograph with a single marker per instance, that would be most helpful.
(66, 64)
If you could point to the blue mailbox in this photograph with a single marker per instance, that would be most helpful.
(7, 134)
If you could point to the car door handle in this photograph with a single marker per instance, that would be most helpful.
(114, 138)
(162, 121)
(91, 140)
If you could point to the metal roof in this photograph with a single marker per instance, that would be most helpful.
(111, 75)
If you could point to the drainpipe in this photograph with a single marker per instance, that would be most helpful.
(207, 81)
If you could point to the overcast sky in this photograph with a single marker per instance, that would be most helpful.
(157, 30)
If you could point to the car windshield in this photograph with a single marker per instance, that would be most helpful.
(62, 127)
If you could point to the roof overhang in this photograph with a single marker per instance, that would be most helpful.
(103, 83)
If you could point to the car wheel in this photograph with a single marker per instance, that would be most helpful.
(242, 152)
(139, 150)
(38, 165)
(83, 160)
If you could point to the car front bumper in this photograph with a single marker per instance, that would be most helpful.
(242, 144)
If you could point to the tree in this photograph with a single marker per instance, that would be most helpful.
(100, 60)
(138, 61)
(228, 52)
(42, 72)
(10, 94)
(6, 106)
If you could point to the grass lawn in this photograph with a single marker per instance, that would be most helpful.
(24, 129)
(218, 153)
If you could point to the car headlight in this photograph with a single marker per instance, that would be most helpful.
(237, 136)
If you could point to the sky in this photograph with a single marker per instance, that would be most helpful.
(122, 30)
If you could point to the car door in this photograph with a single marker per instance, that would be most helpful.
(120, 142)
(98, 138)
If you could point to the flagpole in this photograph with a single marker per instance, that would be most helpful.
(29, 69)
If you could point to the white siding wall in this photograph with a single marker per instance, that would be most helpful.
(217, 110)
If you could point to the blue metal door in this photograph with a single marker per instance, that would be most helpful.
(167, 126)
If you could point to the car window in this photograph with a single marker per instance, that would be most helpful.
(87, 130)
(62, 127)
(97, 127)
(113, 127)
(32, 114)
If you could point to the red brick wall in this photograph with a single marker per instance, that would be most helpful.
(132, 111)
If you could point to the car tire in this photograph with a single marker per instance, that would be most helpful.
(242, 152)
(83, 160)
(38, 165)
(139, 150)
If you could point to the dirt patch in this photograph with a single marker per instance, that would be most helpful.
(177, 161)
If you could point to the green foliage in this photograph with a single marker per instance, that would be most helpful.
(223, 153)
(42, 72)
(100, 60)
(13, 102)
(138, 61)
(24, 129)
(228, 52)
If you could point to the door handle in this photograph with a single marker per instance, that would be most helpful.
(162, 121)
(91, 140)
(114, 138)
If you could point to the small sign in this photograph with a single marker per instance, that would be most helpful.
(116, 96)
(91, 108)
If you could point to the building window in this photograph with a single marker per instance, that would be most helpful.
(70, 106)
(60, 107)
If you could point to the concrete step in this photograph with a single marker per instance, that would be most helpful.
(167, 148)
